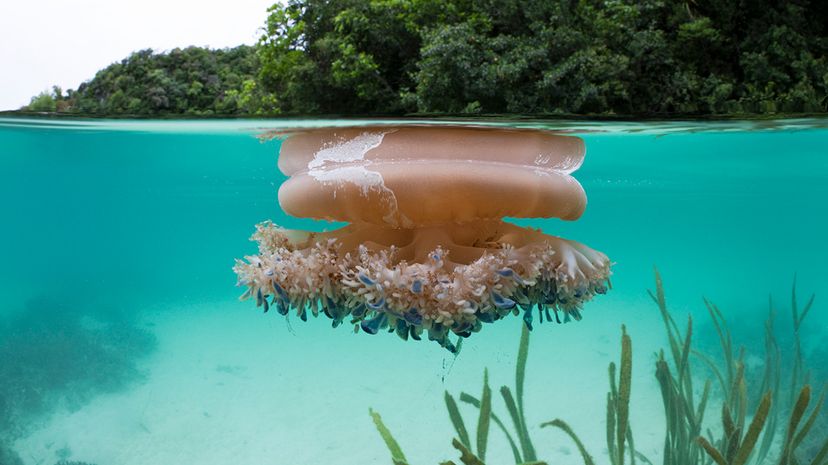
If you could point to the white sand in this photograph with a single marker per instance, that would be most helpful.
(228, 385)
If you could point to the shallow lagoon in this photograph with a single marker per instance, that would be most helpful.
(124, 341)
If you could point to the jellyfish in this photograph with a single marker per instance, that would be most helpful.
(426, 252)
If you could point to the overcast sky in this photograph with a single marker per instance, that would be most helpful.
(55, 42)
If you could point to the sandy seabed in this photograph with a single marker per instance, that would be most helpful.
(228, 385)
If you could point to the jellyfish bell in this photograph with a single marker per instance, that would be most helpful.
(409, 177)
(427, 251)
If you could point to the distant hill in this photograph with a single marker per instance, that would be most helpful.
(188, 81)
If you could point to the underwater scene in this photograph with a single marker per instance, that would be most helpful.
(355, 291)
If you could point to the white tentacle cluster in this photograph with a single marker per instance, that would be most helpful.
(376, 289)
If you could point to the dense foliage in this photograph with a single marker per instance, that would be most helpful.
(507, 56)
(519, 56)
(189, 81)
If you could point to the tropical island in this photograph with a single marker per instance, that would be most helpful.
(562, 57)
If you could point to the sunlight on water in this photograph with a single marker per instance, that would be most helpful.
(122, 340)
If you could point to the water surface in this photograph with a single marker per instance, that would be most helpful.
(123, 341)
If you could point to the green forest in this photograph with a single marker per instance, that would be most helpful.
(566, 57)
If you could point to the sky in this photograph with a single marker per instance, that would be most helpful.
(55, 42)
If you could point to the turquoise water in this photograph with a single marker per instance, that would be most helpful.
(123, 340)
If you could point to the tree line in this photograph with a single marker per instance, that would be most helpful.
(604, 57)
(189, 81)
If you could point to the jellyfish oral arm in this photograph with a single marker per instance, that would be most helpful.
(438, 280)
